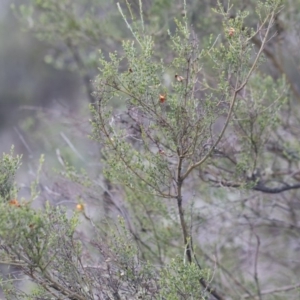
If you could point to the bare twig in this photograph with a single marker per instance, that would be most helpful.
(255, 266)
(71, 146)
(23, 140)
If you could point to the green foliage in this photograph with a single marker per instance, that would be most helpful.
(8, 167)
(41, 243)
(37, 235)
(181, 281)
(181, 125)
(193, 115)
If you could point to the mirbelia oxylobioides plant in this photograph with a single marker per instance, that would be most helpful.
(178, 113)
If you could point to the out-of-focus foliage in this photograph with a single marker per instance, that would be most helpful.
(8, 168)
(24, 76)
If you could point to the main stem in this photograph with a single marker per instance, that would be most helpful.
(181, 211)
(186, 237)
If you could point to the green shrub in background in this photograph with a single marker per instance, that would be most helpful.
(43, 247)
(8, 168)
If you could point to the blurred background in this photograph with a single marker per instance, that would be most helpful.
(27, 82)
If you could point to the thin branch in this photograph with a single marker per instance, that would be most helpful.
(258, 187)
(274, 291)
(268, 190)
(255, 267)
(23, 140)
(55, 285)
(71, 145)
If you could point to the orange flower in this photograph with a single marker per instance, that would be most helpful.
(80, 207)
(14, 202)
(231, 31)
(162, 98)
